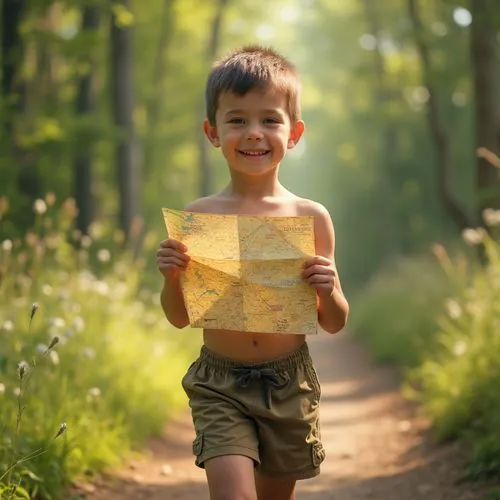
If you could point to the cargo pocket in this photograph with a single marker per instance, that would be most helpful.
(318, 454)
(198, 444)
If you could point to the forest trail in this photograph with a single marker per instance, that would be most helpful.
(378, 448)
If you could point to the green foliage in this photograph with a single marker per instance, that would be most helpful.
(105, 375)
(396, 312)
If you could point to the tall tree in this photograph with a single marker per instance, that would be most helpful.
(122, 97)
(212, 50)
(484, 59)
(436, 125)
(83, 155)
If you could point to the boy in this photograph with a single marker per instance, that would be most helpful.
(255, 396)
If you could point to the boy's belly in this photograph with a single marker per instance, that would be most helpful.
(251, 347)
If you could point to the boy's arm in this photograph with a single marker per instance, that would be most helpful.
(172, 298)
(172, 302)
(333, 308)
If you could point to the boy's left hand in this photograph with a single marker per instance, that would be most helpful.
(321, 274)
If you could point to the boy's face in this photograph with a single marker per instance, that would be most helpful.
(254, 130)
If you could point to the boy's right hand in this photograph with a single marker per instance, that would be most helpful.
(171, 258)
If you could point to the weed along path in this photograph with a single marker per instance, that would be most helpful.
(377, 446)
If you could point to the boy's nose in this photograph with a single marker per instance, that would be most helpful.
(254, 133)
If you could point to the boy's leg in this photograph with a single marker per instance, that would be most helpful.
(231, 477)
(274, 488)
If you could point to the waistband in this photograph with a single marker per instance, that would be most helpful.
(288, 362)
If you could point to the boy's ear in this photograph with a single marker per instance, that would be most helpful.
(211, 133)
(296, 131)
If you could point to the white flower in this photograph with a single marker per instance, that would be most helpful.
(16, 391)
(79, 324)
(473, 236)
(101, 287)
(104, 255)
(491, 217)
(54, 357)
(40, 207)
(454, 309)
(8, 325)
(47, 290)
(2, 388)
(89, 352)
(7, 245)
(459, 348)
(57, 322)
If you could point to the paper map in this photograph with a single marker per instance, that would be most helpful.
(244, 272)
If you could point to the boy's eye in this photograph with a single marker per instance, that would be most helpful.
(272, 120)
(236, 121)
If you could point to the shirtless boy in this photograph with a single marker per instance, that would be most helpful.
(255, 396)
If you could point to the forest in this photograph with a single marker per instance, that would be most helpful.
(101, 105)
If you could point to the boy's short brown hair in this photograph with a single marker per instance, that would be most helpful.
(253, 68)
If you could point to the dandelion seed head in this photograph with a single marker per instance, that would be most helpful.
(491, 217)
(93, 394)
(473, 236)
(22, 368)
(57, 322)
(47, 290)
(88, 352)
(454, 309)
(2, 388)
(7, 245)
(104, 255)
(16, 391)
(459, 348)
(39, 206)
(54, 357)
(79, 324)
(8, 325)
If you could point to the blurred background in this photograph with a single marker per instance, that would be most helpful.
(101, 107)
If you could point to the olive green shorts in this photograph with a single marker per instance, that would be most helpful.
(268, 412)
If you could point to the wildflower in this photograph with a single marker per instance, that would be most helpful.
(8, 325)
(2, 388)
(50, 199)
(16, 391)
(101, 287)
(54, 342)
(62, 429)
(93, 394)
(34, 309)
(104, 255)
(41, 348)
(454, 309)
(7, 245)
(54, 357)
(79, 324)
(473, 236)
(46, 289)
(459, 348)
(88, 352)
(39, 207)
(57, 322)
(491, 217)
(22, 369)
(86, 241)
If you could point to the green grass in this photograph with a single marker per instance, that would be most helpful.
(114, 376)
(442, 324)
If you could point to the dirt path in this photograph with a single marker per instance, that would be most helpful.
(377, 448)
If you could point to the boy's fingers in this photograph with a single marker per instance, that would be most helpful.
(170, 252)
(177, 245)
(171, 262)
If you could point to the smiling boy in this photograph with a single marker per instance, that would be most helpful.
(255, 396)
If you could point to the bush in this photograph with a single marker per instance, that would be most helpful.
(113, 374)
(396, 313)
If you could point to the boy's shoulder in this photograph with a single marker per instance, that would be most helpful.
(310, 207)
(205, 204)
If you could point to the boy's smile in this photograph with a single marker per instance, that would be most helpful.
(254, 131)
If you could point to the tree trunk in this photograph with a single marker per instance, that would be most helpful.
(486, 86)
(205, 168)
(439, 135)
(155, 104)
(127, 162)
(83, 160)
